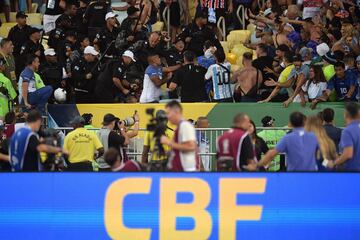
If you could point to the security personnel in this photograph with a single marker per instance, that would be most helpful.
(51, 71)
(94, 16)
(106, 38)
(128, 34)
(79, 17)
(32, 46)
(84, 75)
(66, 21)
(81, 144)
(19, 34)
(7, 91)
(197, 33)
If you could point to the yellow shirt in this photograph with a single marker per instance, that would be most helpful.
(284, 75)
(150, 142)
(81, 145)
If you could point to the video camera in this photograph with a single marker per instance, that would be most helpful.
(158, 125)
(53, 162)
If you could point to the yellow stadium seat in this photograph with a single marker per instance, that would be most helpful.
(231, 58)
(251, 27)
(34, 19)
(5, 28)
(2, 17)
(34, 7)
(225, 46)
(12, 17)
(158, 26)
(239, 36)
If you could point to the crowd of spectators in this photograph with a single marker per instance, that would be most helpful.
(299, 51)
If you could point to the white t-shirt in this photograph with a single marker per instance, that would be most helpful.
(187, 133)
(221, 80)
(151, 92)
(314, 90)
(311, 7)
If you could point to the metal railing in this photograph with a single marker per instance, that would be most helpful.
(166, 17)
(222, 28)
(240, 13)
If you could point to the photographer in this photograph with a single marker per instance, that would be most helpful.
(110, 139)
(25, 146)
(159, 152)
(81, 145)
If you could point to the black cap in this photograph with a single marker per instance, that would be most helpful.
(267, 121)
(21, 14)
(201, 14)
(178, 40)
(108, 118)
(34, 30)
(78, 120)
(131, 10)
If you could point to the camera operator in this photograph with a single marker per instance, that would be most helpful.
(82, 145)
(110, 139)
(184, 157)
(159, 152)
(25, 145)
(112, 158)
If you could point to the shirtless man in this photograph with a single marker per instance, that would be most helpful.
(249, 79)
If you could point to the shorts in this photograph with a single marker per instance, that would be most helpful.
(49, 22)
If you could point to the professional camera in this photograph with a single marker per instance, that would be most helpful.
(128, 122)
(53, 162)
(158, 125)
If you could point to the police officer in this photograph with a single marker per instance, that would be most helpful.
(79, 17)
(106, 38)
(197, 33)
(94, 16)
(51, 71)
(32, 46)
(7, 91)
(84, 75)
(18, 35)
(113, 80)
(130, 34)
(66, 22)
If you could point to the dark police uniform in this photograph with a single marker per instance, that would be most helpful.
(66, 23)
(142, 49)
(94, 16)
(29, 48)
(84, 88)
(105, 40)
(51, 74)
(105, 88)
(126, 30)
(79, 21)
(198, 38)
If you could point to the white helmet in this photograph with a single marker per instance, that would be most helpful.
(60, 95)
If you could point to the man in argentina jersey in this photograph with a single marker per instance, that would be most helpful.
(219, 73)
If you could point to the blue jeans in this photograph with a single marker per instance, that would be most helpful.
(40, 97)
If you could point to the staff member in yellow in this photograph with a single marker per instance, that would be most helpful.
(7, 91)
(82, 145)
(159, 157)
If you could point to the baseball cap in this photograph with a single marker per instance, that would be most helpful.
(131, 10)
(49, 52)
(21, 14)
(110, 15)
(322, 49)
(108, 118)
(358, 58)
(91, 50)
(78, 120)
(129, 54)
(267, 121)
(329, 57)
(267, 12)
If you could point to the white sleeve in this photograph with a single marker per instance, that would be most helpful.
(187, 132)
(299, 2)
(323, 86)
(209, 72)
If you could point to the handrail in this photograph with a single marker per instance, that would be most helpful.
(166, 17)
(222, 27)
(242, 17)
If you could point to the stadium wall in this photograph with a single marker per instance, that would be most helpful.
(223, 206)
(220, 115)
